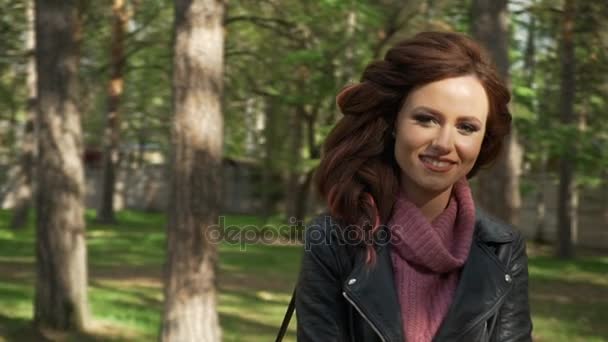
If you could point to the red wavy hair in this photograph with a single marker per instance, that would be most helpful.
(358, 175)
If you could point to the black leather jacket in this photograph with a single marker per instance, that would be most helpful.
(340, 299)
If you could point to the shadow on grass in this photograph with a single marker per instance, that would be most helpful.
(132, 297)
(237, 328)
(569, 310)
(117, 248)
(19, 329)
(23, 330)
(12, 248)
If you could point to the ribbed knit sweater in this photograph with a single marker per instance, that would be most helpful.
(427, 258)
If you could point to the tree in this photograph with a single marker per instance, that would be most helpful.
(489, 26)
(120, 17)
(566, 211)
(61, 268)
(197, 141)
(23, 187)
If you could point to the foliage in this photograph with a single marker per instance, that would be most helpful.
(536, 81)
(294, 56)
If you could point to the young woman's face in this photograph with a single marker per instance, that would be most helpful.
(438, 133)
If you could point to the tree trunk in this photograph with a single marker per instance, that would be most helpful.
(190, 275)
(541, 183)
(566, 215)
(268, 186)
(303, 195)
(24, 185)
(294, 161)
(530, 52)
(346, 70)
(61, 267)
(604, 188)
(141, 149)
(490, 27)
(541, 201)
(308, 201)
(112, 132)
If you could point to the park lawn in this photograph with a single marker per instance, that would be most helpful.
(125, 288)
(569, 299)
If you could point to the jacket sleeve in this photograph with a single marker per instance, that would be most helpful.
(515, 323)
(318, 293)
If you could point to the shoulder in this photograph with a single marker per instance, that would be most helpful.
(323, 229)
(329, 237)
(325, 249)
(491, 229)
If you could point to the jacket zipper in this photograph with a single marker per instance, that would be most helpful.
(363, 315)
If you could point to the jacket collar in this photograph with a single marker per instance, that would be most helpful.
(489, 230)
(481, 286)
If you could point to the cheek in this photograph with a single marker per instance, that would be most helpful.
(405, 148)
(468, 148)
(412, 139)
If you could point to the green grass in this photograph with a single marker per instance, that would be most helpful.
(125, 289)
(569, 299)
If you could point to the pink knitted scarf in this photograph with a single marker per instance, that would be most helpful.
(427, 258)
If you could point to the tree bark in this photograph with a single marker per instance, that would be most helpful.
(112, 132)
(604, 188)
(490, 27)
(268, 183)
(23, 190)
(541, 201)
(294, 161)
(566, 215)
(346, 70)
(197, 138)
(61, 266)
(543, 175)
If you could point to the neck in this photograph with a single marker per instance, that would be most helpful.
(431, 204)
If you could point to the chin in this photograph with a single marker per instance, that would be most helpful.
(437, 187)
(434, 185)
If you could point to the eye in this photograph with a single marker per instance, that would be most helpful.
(468, 128)
(425, 119)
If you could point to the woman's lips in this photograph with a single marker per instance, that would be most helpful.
(436, 165)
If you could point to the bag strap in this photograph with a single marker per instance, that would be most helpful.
(287, 318)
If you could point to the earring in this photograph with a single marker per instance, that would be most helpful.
(394, 135)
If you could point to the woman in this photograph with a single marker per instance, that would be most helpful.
(403, 254)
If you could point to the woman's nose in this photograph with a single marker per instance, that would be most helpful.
(444, 141)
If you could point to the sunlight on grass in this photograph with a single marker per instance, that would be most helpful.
(128, 308)
(588, 270)
(15, 300)
(556, 330)
(125, 290)
(569, 299)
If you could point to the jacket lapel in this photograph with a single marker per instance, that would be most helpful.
(482, 286)
(372, 290)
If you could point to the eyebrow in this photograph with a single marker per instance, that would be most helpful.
(439, 113)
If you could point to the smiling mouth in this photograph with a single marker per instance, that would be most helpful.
(436, 165)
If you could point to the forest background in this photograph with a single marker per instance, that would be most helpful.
(131, 129)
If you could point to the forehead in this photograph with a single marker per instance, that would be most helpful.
(453, 97)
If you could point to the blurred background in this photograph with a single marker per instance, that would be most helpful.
(98, 148)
